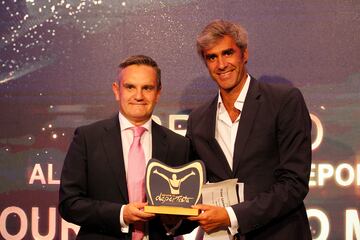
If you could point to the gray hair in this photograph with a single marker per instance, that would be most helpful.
(216, 30)
(143, 60)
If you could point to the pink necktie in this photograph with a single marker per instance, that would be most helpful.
(136, 177)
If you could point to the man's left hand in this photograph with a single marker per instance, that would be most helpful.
(212, 218)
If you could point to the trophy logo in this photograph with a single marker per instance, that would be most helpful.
(174, 183)
(173, 190)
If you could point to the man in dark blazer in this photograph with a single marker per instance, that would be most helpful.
(93, 189)
(256, 132)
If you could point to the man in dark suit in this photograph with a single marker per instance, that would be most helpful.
(94, 189)
(256, 132)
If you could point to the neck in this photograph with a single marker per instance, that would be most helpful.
(138, 123)
(229, 96)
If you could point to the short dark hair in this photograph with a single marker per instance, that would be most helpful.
(143, 60)
(218, 29)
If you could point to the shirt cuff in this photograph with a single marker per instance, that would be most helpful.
(124, 227)
(233, 221)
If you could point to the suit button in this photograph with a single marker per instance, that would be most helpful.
(256, 226)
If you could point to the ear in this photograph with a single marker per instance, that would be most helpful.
(158, 95)
(116, 90)
(245, 55)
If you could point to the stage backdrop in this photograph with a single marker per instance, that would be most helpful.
(58, 59)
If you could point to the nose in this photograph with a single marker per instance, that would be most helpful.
(139, 94)
(221, 63)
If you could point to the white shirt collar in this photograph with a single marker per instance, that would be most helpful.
(239, 103)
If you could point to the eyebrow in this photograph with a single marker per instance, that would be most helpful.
(223, 52)
(128, 85)
(228, 51)
(148, 86)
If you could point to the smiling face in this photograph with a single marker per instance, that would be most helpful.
(226, 64)
(137, 93)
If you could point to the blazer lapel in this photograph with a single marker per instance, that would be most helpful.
(114, 154)
(247, 120)
(210, 121)
(159, 143)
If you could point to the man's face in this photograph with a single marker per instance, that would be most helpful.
(226, 63)
(137, 93)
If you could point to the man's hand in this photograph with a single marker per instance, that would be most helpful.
(212, 218)
(133, 212)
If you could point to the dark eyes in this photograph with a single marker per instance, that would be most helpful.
(132, 87)
(128, 86)
(226, 53)
(211, 57)
(148, 88)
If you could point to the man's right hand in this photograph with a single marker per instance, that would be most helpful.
(211, 218)
(134, 212)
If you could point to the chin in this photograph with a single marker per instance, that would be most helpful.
(142, 117)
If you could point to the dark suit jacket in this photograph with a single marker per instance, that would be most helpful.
(272, 157)
(93, 181)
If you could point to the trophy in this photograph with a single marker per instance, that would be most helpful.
(173, 190)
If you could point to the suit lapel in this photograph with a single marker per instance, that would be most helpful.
(247, 120)
(159, 143)
(114, 154)
(210, 121)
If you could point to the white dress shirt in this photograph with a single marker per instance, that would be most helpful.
(225, 135)
(127, 136)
